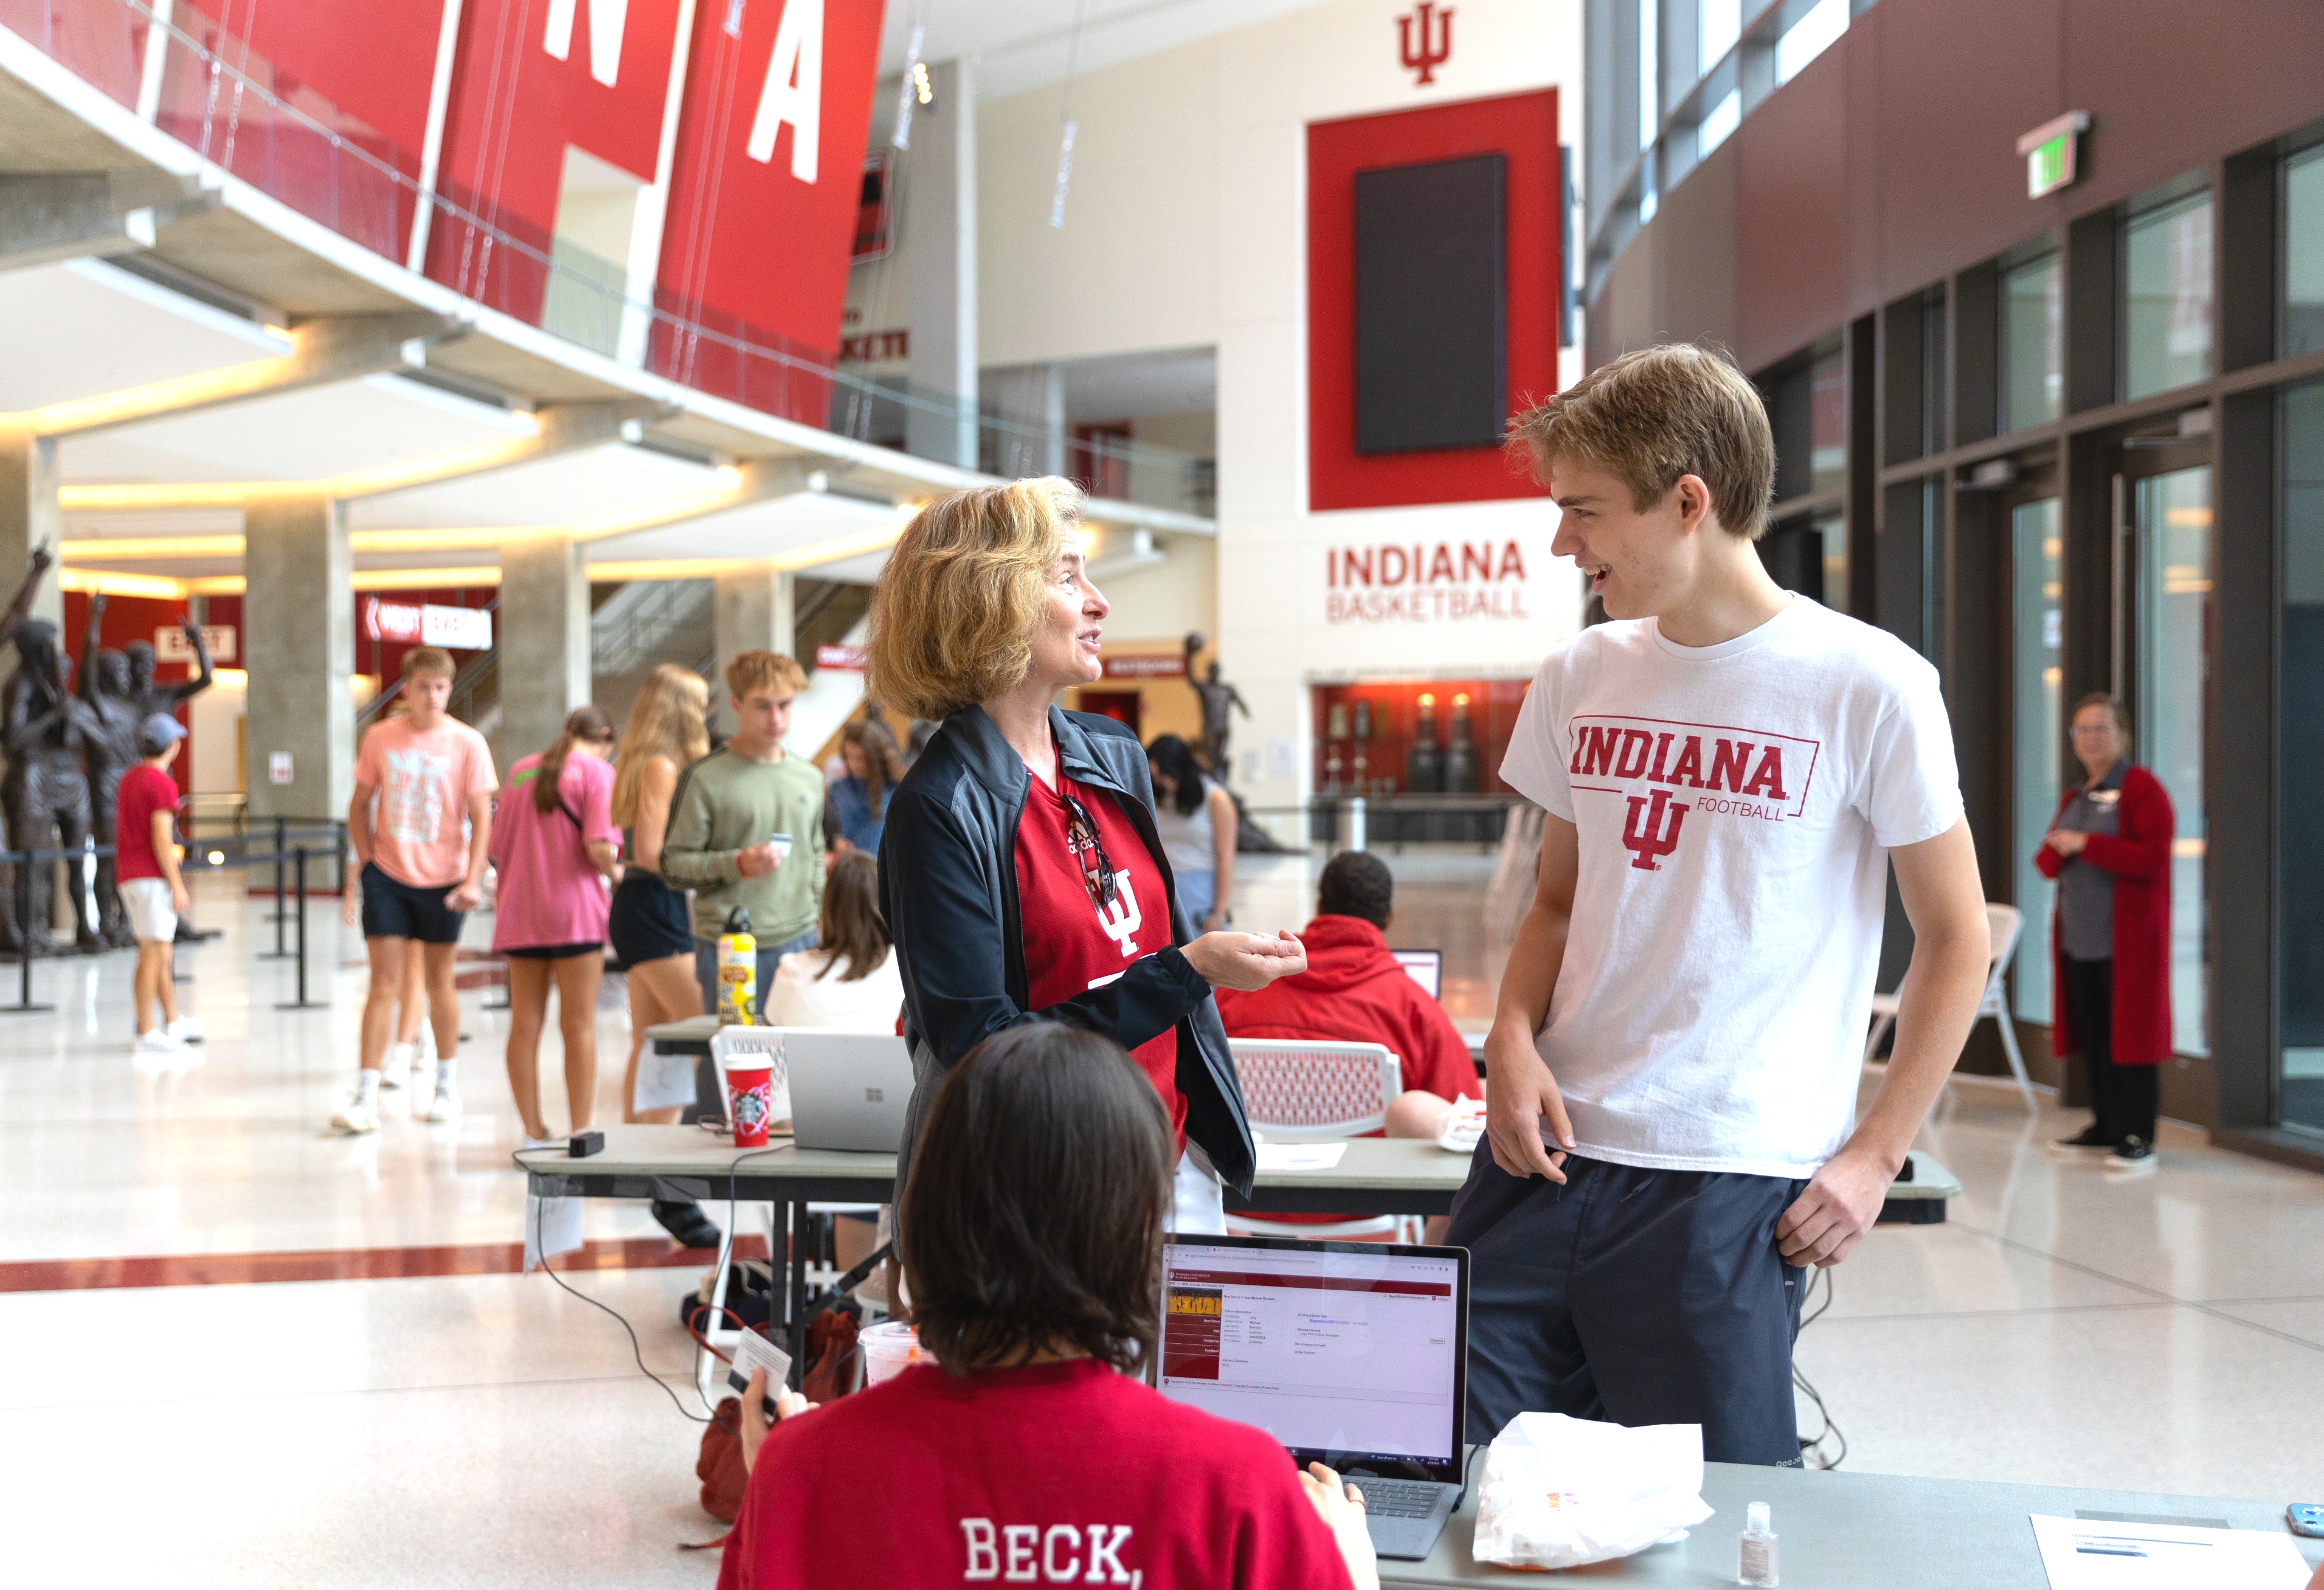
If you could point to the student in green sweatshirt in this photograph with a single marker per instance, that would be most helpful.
(746, 826)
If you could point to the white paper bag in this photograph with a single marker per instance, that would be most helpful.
(1560, 1492)
(552, 1226)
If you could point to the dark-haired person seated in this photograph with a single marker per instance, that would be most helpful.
(1032, 1249)
(1354, 992)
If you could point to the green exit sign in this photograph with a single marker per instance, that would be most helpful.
(2048, 151)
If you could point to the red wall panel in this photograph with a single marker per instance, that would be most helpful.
(750, 249)
(514, 108)
(1523, 128)
(376, 63)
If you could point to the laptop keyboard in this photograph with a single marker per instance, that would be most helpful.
(1396, 1498)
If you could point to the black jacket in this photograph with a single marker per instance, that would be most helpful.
(948, 889)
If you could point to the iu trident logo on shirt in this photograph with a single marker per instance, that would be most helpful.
(1744, 773)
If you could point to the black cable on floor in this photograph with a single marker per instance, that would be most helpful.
(636, 1351)
(1811, 1452)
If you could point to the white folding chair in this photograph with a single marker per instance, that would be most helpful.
(1298, 1091)
(2003, 923)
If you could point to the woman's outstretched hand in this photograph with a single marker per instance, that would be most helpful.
(1246, 960)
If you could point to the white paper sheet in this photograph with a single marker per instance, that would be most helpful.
(1300, 1156)
(552, 1226)
(2092, 1554)
(664, 1080)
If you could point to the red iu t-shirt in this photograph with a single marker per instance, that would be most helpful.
(144, 790)
(1072, 944)
(1060, 1474)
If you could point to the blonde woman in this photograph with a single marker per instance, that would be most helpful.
(650, 928)
(1021, 870)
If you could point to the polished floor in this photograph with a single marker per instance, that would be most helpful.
(482, 1428)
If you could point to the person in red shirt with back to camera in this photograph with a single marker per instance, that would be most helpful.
(1354, 992)
(1031, 1241)
(146, 864)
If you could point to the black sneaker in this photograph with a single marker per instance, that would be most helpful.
(683, 1218)
(2088, 1142)
(2136, 1155)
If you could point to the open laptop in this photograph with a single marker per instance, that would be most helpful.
(849, 1090)
(1351, 1353)
(1424, 966)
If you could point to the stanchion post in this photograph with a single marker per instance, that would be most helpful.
(24, 865)
(280, 840)
(299, 864)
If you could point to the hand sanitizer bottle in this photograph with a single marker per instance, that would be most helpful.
(1756, 1564)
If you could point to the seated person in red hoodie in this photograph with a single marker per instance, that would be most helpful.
(1353, 992)
(1031, 1239)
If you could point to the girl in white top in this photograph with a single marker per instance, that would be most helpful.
(851, 980)
(1196, 818)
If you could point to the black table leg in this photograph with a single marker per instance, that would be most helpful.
(795, 1288)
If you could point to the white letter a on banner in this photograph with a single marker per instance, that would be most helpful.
(794, 90)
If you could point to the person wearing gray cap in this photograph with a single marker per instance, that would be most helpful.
(153, 893)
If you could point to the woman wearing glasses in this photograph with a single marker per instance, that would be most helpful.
(1020, 871)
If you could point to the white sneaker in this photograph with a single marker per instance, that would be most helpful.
(531, 1144)
(358, 1117)
(393, 1068)
(159, 1041)
(186, 1030)
(444, 1107)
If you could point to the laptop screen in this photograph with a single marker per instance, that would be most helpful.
(1351, 1352)
(1425, 966)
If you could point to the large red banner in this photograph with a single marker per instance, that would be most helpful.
(764, 201)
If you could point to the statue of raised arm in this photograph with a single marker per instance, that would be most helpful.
(41, 562)
(150, 698)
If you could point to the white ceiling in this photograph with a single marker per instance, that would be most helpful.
(78, 329)
(763, 530)
(1020, 44)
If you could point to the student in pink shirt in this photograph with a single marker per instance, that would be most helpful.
(419, 869)
(554, 847)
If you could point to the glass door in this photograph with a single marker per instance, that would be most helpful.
(2300, 985)
(2170, 626)
(2037, 627)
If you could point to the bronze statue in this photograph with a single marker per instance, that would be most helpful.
(39, 563)
(109, 740)
(1218, 699)
(146, 699)
(44, 728)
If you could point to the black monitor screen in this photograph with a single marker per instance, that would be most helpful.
(1430, 283)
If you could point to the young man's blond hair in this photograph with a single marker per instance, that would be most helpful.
(430, 661)
(751, 672)
(1652, 417)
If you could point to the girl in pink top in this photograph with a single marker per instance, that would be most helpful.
(555, 846)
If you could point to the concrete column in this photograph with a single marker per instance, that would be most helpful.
(939, 193)
(751, 611)
(1030, 402)
(299, 622)
(28, 517)
(543, 639)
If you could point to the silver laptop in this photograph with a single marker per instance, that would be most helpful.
(849, 1090)
(1351, 1353)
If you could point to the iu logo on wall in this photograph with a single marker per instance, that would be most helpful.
(1424, 53)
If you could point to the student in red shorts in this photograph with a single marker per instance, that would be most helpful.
(1032, 1245)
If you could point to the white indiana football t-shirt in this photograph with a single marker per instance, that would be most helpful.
(1735, 804)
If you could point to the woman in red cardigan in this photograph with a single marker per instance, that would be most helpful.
(2109, 850)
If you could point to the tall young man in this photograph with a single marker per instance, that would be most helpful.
(420, 870)
(1730, 772)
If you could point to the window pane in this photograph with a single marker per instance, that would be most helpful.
(2033, 343)
(2167, 296)
(2301, 814)
(1722, 25)
(2174, 613)
(2303, 253)
(1721, 120)
(1810, 37)
(2038, 625)
(1650, 71)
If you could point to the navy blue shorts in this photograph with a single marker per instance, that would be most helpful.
(392, 909)
(1642, 1297)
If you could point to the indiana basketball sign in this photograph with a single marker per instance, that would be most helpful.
(1422, 583)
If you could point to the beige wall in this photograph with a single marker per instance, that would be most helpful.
(1163, 602)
